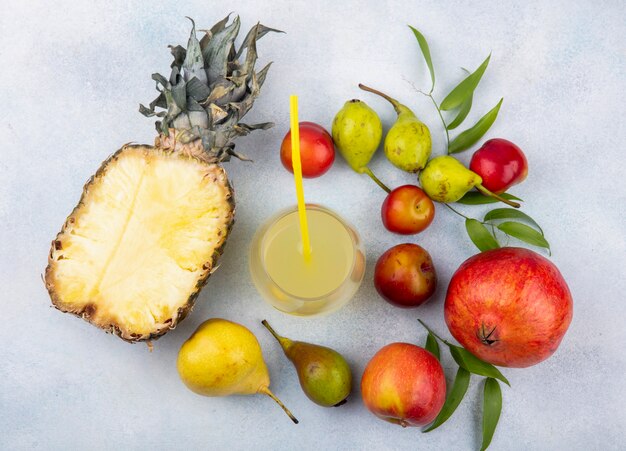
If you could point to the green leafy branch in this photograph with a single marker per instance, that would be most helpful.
(460, 99)
(483, 233)
(468, 364)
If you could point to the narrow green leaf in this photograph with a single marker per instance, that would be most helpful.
(480, 235)
(459, 388)
(524, 233)
(511, 213)
(463, 112)
(432, 346)
(492, 407)
(473, 364)
(464, 89)
(469, 137)
(477, 198)
(421, 40)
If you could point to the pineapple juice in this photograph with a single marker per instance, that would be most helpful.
(294, 285)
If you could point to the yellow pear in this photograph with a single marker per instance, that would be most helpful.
(445, 179)
(408, 144)
(223, 358)
(357, 131)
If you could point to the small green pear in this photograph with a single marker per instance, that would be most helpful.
(446, 180)
(222, 358)
(408, 144)
(324, 374)
(357, 132)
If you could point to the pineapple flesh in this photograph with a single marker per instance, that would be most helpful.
(151, 223)
(142, 240)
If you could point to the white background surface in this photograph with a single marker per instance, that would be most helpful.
(73, 74)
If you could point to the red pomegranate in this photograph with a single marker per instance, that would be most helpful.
(509, 307)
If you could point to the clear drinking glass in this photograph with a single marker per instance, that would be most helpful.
(292, 285)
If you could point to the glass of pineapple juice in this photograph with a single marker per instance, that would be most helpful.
(293, 285)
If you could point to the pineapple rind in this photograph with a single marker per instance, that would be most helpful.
(188, 253)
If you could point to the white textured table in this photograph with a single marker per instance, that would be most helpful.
(73, 75)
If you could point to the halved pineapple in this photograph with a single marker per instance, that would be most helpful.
(152, 221)
(141, 242)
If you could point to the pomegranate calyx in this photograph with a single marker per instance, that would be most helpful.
(486, 336)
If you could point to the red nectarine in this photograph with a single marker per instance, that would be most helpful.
(404, 384)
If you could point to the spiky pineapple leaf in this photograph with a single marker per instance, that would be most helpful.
(214, 91)
(245, 128)
(261, 30)
(179, 53)
(219, 26)
(217, 50)
(251, 54)
(179, 94)
(193, 66)
(197, 90)
(149, 112)
(262, 74)
(193, 106)
(175, 76)
(160, 80)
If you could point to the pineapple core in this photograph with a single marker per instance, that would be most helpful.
(141, 242)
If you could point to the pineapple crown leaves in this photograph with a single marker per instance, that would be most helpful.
(209, 91)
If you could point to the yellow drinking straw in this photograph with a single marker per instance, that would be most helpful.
(297, 175)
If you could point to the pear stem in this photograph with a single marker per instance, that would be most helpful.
(285, 343)
(486, 192)
(266, 391)
(369, 172)
(394, 102)
(272, 331)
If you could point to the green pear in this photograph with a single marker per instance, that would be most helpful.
(324, 374)
(357, 132)
(446, 180)
(222, 358)
(408, 144)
